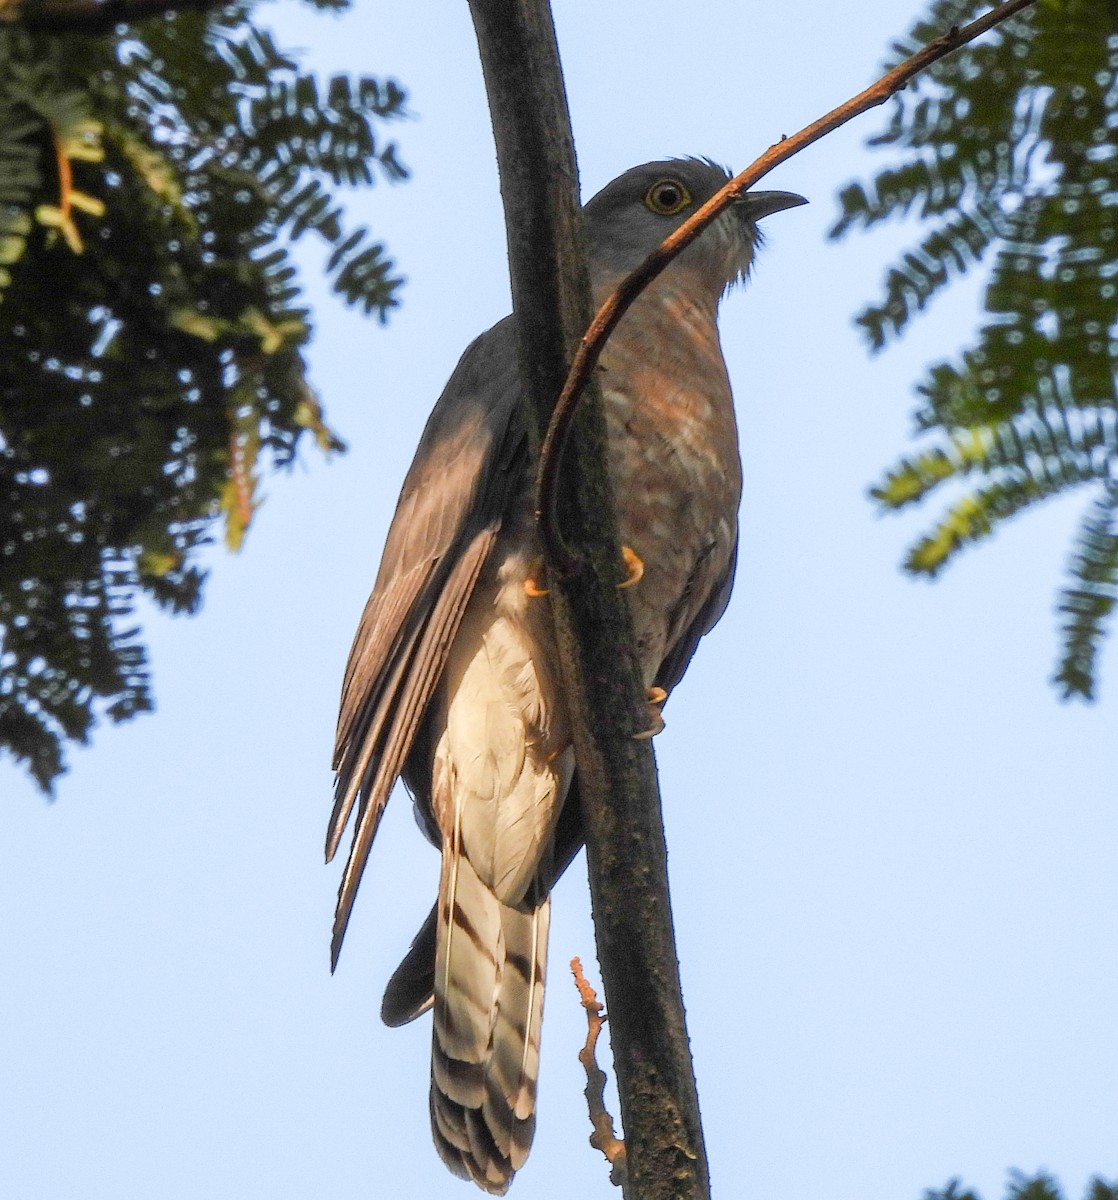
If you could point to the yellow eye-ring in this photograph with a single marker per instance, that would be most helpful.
(666, 197)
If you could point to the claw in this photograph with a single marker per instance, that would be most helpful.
(634, 567)
(531, 586)
(655, 697)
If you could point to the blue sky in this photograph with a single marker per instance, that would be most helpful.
(891, 846)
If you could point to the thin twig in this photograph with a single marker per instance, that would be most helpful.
(559, 556)
(65, 180)
(604, 1137)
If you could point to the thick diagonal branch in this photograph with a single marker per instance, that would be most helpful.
(617, 775)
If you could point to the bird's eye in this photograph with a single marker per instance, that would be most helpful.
(666, 197)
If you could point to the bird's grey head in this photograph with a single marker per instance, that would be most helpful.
(631, 216)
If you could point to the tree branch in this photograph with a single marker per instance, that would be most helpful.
(92, 16)
(556, 550)
(626, 855)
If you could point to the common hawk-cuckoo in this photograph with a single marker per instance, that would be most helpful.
(452, 681)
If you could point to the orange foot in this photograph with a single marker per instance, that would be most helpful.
(531, 584)
(634, 567)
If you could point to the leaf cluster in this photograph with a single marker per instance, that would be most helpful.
(1024, 1187)
(151, 327)
(1008, 152)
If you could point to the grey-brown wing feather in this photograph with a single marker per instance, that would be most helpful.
(679, 655)
(450, 510)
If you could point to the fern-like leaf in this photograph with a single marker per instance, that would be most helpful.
(153, 379)
(1007, 147)
(1088, 602)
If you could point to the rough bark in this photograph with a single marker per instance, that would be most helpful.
(617, 774)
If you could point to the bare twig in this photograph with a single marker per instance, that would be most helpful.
(560, 558)
(91, 16)
(604, 1137)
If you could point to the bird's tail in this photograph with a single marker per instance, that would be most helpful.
(490, 964)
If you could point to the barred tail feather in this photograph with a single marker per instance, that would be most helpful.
(490, 965)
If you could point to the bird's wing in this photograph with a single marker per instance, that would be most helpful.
(683, 649)
(448, 516)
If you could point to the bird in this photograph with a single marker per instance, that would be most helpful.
(452, 682)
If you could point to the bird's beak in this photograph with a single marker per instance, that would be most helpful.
(755, 205)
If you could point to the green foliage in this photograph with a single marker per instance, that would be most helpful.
(151, 183)
(951, 1192)
(1021, 1187)
(1007, 149)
